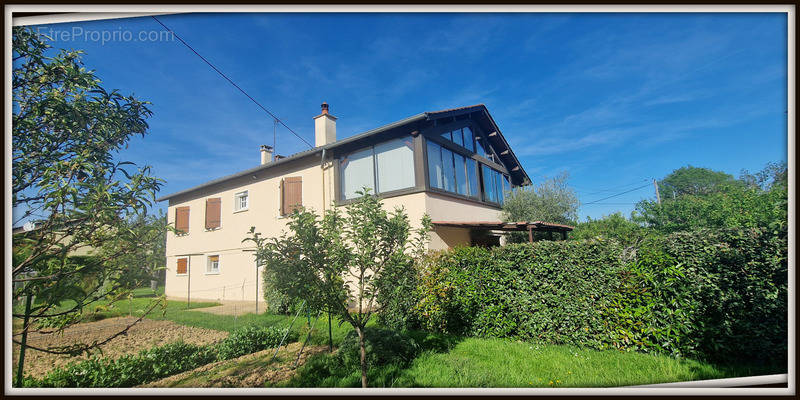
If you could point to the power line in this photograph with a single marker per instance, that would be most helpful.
(618, 194)
(611, 189)
(232, 82)
(610, 204)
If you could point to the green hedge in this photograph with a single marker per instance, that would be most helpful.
(715, 295)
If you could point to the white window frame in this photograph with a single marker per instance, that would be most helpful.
(208, 265)
(237, 198)
(188, 260)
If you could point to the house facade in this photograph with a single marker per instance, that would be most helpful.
(453, 165)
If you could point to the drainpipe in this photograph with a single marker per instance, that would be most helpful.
(322, 168)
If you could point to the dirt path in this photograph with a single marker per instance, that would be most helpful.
(144, 335)
(235, 308)
(252, 370)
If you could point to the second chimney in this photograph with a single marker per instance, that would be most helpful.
(324, 127)
(266, 154)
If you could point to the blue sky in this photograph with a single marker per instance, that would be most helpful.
(614, 99)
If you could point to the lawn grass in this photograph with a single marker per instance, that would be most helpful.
(476, 362)
(135, 306)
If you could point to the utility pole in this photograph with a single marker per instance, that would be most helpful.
(275, 135)
(658, 196)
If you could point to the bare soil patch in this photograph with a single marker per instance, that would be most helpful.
(144, 335)
(252, 370)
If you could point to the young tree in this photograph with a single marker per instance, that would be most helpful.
(340, 262)
(552, 200)
(66, 130)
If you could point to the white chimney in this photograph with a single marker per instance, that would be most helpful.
(324, 127)
(266, 154)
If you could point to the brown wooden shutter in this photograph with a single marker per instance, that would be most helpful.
(182, 265)
(213, 209)
(291, 194)
(182, 219)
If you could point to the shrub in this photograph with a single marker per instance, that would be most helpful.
(713, 294)
(614, 226)
(250, 340)
(277, 303)
(383, 347)
(129, 370)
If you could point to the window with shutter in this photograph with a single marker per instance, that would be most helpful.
(213, 208)
(291, 194)
(182, 220)
(182, 266)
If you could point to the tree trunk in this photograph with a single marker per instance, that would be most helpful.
(363, 356)
(24, 341)
(330, 333)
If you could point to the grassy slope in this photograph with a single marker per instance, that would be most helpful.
(141, 301)
(476, 362)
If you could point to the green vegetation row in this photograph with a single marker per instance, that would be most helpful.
(159, 362)
(718, 295)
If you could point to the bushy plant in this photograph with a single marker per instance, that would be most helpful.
(614, 226)
(277, 302)
(129, 370)
(384, 346)
(250, 340)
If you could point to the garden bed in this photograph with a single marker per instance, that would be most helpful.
(252, 370)
(144, 335)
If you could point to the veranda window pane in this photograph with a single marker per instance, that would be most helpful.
(461, 174)
(448, 172)
(498, 182)
(357, 173)
(488, 184)
(435, 165)
(457, 138)
(472, 176)
(469, 140)
(395, 160)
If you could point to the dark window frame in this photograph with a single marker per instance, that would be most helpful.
(434, 134)
(370, 143)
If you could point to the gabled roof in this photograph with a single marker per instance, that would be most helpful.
(497, 141)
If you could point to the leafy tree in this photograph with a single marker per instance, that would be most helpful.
(66, 130)
(149, 231)
(737, 204)
(341, 262)
(552, 200)
(691, 180)
(773, 175)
